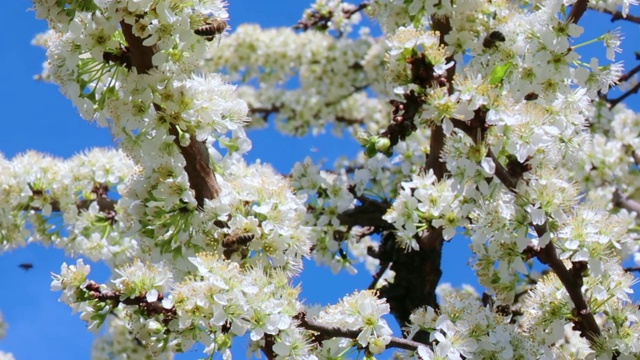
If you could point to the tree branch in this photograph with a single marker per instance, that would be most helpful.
(149, 308)
(571, 278)
(198, 168)
(577, 10)
(617, 15)
(417, 275)
(101, 190)
(630, 73)
(328, 332)
(619, 99)
(368, 213)
(502, 173)
(418, 272)
(572, 281)
(621, 201)
(155, 308)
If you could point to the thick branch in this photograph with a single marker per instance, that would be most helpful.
(436, 145)
(368, 213)
(417, 272)
(201, 178)
(577, 10)
(417, 275)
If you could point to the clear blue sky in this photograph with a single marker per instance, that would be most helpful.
(36, 116)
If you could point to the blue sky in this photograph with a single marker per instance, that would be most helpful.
(36, 116)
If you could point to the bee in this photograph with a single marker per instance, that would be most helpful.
(237, 240)
(122, 57)
(211, 29)
(26, 266)
(491, 39)
(236, 243)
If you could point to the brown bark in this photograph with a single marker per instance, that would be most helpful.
(201, 177)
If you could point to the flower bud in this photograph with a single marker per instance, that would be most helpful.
(363, 138)
(382, 144)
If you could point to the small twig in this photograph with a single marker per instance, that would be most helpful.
(149, 308)
(265, 112)
(619, 99)
(632, 269)
(636, 156)
(629, 74)
(378, 275)
(620, 200)
(617, 15)
(502, 174)
(105, 204)
(328, 332)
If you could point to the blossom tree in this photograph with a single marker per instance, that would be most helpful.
(475, 117)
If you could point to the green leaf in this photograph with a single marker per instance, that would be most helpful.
(499, 73)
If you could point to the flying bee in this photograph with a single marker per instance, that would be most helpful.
(26, 266)
(211, 29)
(493, 37)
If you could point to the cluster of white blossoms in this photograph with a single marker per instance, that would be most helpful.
(361, 311)
(327, 197)
(465, 328)
(330, 89)
(35, 186)
(121, 340)
(338, 16)
(495, 126)
(426, 203)
(547, 307)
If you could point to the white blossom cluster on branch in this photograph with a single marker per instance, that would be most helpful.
(330, 91)
(475, 117)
